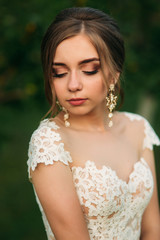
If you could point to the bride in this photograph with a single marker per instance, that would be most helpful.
(92, 167)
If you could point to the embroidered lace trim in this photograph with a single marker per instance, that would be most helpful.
(112, 208)
(150, 136)
(44, 146)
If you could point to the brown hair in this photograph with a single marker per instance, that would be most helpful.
(102, 31)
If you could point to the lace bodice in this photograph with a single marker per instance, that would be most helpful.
(112, 207)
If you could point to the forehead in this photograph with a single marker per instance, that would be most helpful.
(75, 48)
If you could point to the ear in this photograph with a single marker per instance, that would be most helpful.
(115, 79)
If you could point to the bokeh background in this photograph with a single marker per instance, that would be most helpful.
(23, 104)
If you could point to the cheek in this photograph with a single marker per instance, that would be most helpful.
(98, 92)
(100, 88)
(58, 87)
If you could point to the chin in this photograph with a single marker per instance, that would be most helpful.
(81, 111)
(78, 111)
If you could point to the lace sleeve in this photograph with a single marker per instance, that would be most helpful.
(45, 147)
(150, 138)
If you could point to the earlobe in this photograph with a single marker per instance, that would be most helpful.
(116, 78)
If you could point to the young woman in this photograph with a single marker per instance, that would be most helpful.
(92, 168)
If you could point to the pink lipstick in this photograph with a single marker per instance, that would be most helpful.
(77, 101)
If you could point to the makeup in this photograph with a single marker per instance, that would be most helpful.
(77, 101)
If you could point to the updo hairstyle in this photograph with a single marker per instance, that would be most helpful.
(102, 31)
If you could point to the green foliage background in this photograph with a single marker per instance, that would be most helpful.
(23, 103)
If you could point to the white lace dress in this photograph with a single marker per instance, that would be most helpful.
(113, 208)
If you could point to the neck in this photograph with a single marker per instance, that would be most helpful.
(90, 122)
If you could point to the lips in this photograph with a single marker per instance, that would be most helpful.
(77, 101)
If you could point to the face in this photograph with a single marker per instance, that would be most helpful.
(77, 76)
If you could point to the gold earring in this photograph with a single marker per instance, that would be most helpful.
(66, 116)
(111, 103)
(59, 105)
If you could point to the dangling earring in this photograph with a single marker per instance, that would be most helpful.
(111, 103)
(66, 116)
(59, 105)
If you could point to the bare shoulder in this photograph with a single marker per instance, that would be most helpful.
(131, 118)
(139, 128)
(132, 127)
(131, 122)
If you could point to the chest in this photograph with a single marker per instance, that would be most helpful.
(115, 151)
(102, 192)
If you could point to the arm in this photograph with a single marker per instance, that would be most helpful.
(55, 189)
(151, 217)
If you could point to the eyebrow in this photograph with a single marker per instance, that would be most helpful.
(80, 63)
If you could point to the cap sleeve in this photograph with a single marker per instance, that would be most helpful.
(46, 147)
(151, 137)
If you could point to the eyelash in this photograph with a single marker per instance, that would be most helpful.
(86, 72)
(90, 72)
(59, 75)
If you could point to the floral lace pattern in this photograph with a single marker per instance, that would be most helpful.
(43, 147)
(112, 208)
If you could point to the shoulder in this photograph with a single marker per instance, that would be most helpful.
(132, 117)
(47, 129)
(140, 127)
(46, 146)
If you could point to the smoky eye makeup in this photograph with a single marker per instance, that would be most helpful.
(58, 72)
(90, 69)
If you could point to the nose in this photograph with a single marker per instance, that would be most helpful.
(74, 82)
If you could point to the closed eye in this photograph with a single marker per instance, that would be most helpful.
(59, 75)
(90, 72)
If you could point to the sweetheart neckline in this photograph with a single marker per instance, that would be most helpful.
(141, 160)
(126, 182)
